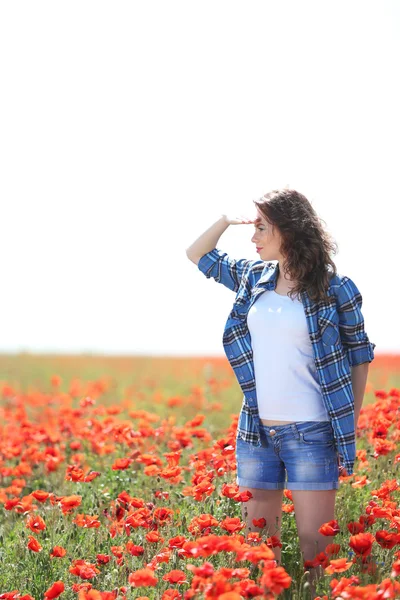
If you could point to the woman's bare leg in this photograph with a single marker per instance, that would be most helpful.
(311, 509)
(265, 504)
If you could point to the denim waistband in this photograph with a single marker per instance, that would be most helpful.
(294, 426)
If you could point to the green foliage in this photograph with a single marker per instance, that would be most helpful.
(34, 572)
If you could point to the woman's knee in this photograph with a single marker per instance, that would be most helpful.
(265, 504)
(266, 497)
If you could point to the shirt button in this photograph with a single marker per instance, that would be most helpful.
(241, 377)
(231, 356)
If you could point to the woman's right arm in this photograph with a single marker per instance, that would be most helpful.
(214, 262)
(207, 240)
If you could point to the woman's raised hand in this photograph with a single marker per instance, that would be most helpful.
(240, 220)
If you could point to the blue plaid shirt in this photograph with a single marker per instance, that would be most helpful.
(336, 330)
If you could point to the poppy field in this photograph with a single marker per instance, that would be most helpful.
(117, 480)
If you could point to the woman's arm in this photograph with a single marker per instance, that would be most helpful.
(351, 324)
(359, 375)
(215, 263)
(207, 240)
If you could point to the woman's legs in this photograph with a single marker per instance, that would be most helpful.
(311, 509)
(307, 451)
(265, 504)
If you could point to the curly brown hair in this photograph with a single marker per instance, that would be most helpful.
(306, 245)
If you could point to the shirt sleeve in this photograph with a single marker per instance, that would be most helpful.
(225, 270)
(351, 324)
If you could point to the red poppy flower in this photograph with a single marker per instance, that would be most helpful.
(275, 580)
(33, 544)
(58, 551)
(142, 577)
(35, 523)
(362, 543)
(175, 576)
(338, 565)
(329, 528)
(55, 590)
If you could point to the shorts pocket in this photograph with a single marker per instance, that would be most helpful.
(240, 443)
(322, 434)
(245, 448)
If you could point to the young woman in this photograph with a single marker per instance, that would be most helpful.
(295, 339)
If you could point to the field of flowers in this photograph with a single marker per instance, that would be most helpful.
(117, 480)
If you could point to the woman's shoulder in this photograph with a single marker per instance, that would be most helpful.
(344, 288)
(336, 279)
(339, 280)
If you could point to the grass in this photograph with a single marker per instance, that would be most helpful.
(166, 416)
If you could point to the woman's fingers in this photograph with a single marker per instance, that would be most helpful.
(342, 469)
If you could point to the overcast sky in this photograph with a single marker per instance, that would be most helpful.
(127, 128)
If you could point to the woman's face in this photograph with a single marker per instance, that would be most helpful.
(266, 240)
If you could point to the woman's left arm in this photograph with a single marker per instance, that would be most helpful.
(359, 349)
(359, 375)
(351, 324)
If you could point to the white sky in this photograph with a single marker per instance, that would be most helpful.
(127, 128)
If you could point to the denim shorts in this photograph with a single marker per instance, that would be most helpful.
(295, 456)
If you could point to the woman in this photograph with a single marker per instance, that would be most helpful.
(295, 339)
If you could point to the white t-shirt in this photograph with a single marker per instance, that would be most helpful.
(286, 378)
